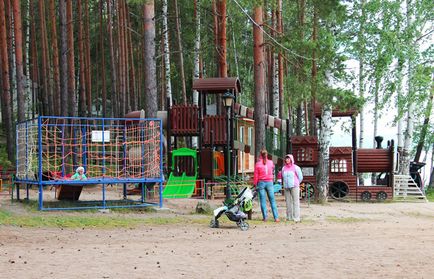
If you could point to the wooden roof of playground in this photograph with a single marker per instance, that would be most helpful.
(336, 112)
(217, 85)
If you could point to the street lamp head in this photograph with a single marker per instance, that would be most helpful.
(228, 99)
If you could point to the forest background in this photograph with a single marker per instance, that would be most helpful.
(105, 58)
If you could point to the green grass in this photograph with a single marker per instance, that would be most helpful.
(430, 194)
(89, 220)
(345, 220)
(417, 214)
(32, 206)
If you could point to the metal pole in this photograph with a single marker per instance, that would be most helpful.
(228, 188)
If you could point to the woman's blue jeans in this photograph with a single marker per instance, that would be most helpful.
(267, 187)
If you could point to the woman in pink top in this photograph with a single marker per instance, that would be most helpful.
(263, 180)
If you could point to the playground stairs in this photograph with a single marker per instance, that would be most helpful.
(405, 189)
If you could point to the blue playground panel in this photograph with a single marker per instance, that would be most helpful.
(112, 151)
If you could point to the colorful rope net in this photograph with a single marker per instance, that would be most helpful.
(118, 149)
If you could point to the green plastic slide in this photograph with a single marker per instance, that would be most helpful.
(181, 186)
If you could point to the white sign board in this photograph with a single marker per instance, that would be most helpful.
(307, 171)
(97, 136)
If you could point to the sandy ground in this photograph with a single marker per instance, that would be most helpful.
(338, 240)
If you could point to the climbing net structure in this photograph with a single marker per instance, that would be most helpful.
(111, 150)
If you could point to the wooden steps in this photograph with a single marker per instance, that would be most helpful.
(405, 189)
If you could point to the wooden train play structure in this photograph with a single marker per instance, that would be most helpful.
(216, 156)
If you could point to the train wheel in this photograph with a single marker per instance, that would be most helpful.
(381, 196)
(366, 196)
(339, 190)
(307, 191)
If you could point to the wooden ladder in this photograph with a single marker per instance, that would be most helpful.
(405, 189)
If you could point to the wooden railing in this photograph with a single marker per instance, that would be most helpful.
(184, 120)
(214, 130)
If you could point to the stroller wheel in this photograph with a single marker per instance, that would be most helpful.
(214, 223)
(244, 226)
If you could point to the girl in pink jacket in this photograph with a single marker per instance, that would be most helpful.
(291, 179)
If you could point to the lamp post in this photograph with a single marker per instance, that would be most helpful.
(228, 99)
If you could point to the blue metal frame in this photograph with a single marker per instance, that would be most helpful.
(104, 181)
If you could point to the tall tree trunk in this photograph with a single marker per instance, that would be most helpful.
(276, 96)
(11, 53)
(26, 53)
(223, 67)
(431, 177)
(63, 59)
(314, 72)
(71, 65)
(150, 72)
(376, 105)
(6, 102)
(114, 77)
(361, 53)
(126, 74)
(300, 69)
(215, 12)
(259, 79)
(196, 71)
(132, 68)
(121, 68)
(405, 156)
(46, 93)
(275, 79)
(34, 69)
(102, 54)
(280, 57)
(56, 75)
(324, 153)
(425, 126)
(399, 90)
(82, 64)
(19, 60)
(181, 55)
(167, 54)
(269, 73)
(88, 62)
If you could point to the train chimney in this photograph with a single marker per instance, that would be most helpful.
(378, 139)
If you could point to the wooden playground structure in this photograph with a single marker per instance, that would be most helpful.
(346, 163)
(130, 151)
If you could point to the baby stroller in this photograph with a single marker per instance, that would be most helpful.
(235, 209)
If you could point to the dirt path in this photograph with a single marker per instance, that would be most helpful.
(339, 240)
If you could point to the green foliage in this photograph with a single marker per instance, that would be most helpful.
(135, 2)
(4, 161)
